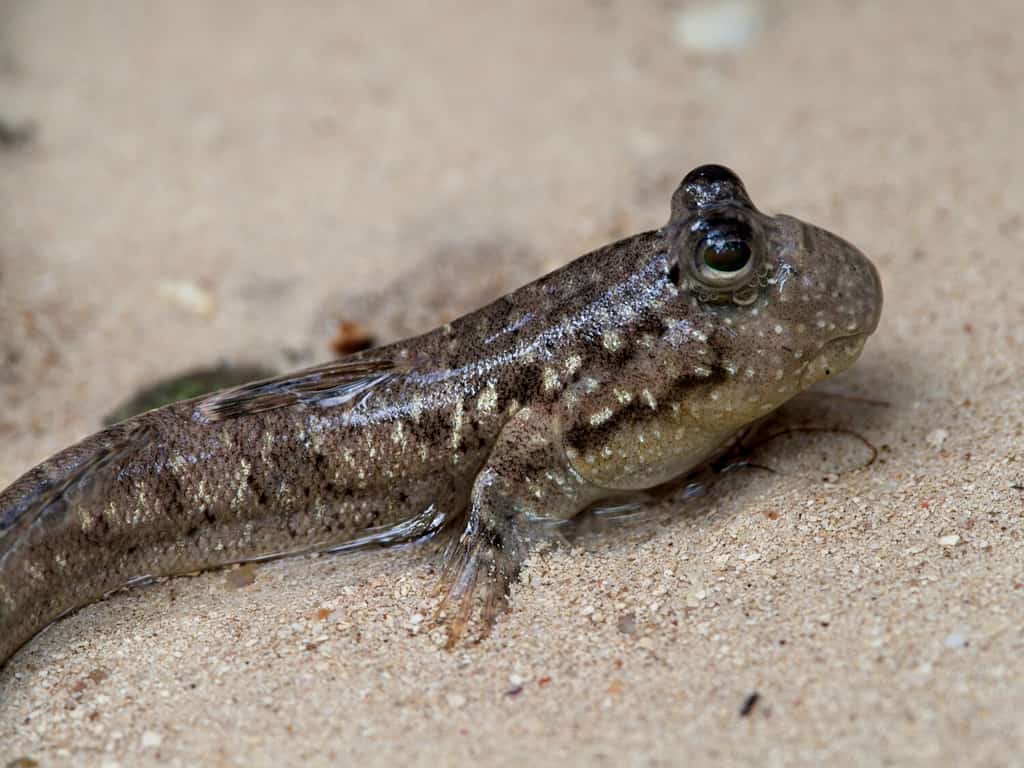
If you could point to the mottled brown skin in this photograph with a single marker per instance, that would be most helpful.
(630, 366)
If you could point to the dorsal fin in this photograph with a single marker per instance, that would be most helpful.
(329, 384)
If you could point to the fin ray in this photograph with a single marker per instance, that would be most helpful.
(329, 384)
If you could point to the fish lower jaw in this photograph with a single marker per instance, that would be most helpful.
(833, 358)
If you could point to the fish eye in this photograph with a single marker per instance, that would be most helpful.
(719, 253)
(723, 258)
(724, 255)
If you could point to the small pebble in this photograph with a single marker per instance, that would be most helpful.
(627, 623)
(949, 541)
(726, 26)
(956, 640)
(350, 337)
(936, 438)
(151, 740)
(242, 576)
(456, 700)
(187, 296)
(749, 703)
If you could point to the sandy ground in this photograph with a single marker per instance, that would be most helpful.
(218, 181)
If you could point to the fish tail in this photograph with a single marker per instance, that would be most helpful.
(41, 502)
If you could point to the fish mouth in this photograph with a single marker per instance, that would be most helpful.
(834, 357)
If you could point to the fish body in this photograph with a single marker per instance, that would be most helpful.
(630, 366)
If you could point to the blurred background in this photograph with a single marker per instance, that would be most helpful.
(186, 184)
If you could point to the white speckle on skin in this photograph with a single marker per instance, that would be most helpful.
(416, 407)
(611, 340)
(178, 464)
(140, 496)
(590, 384)
(749, 373)
(730, 368)
(600, 417)
(488, 399)
(551, 380)
(652, 403)
(623, 396)
(702, 371)
(268, 445)
(572, 364)
(778, 329)
(243, 476)
(457, 426)
(202, 494)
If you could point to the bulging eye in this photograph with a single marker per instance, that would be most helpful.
(723, 259)
(720, 252)
(725, 255)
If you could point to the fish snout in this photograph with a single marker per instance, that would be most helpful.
(843, 282)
